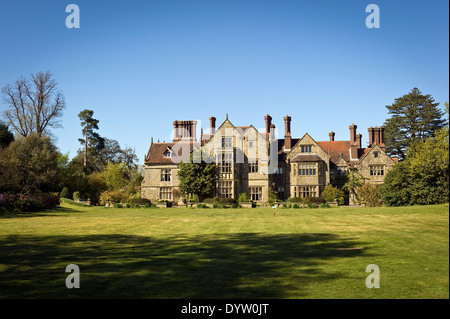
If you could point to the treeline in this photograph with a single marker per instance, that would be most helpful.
(34, 173)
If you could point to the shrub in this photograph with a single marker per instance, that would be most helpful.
(295, 200)
(147, 205)
(48, 200)
(284, 206)
(115, 196)
(295, 206)
(138, 206)
(215, 205)
(243, 198)
(370, 194)
(313, 200)
(202, 206)
(223, 206)
(331, 193)
(234, 205)
(128, 205)
(208, 200)
(65, 193)
(341, 201)
(324, 205)
(27, 204)
(140, 201)
(312, 205)
(153, 206)
(118, 205)
(76, 195)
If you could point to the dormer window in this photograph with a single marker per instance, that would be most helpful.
(167, 153)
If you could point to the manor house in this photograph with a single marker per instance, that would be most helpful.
(252, 162)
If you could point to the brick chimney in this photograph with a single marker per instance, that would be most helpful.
(377, 135)
(287, 133)
(331, 134)
(353, 143)
(371, 136)
(352, 133)
(185, 130)
(268, 119)
(212, 125)
(358, 139)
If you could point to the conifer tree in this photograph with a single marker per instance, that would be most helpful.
(414, 117)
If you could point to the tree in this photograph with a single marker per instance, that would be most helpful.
(354, 181)
(6, 137)
(414, 117)
(423, 177)
(331, 193)
(92, 140)
(28, 165)
(197, 178)
(370, 194)
(33, 105)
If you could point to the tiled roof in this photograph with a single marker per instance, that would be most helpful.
(156, 152)
(307, 158)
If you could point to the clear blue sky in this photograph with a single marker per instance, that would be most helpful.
(140, 65)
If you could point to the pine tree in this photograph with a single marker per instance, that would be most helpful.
(414, 117)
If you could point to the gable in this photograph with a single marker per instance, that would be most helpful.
(307, 140)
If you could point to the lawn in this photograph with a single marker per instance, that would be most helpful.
(226, 253)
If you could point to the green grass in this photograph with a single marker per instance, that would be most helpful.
(226, 253)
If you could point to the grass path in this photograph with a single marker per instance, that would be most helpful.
(226, 253)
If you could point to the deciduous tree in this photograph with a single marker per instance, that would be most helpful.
(33, 105)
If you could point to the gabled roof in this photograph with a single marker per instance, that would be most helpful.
(155, 154)
(307, 158)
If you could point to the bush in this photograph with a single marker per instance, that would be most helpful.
(202, 206)
(312, 205)
(113, 197)
(118, 205)
(331, 193)
(295, 200)
(234, 205)
(76, 195)
(324, 205)
(208, 200)
(341, 201)
(371, 194)
(223, 206)
(243, 198)
(215, 205)
(65, 193)
(147, 205)
(137, 206)
(48, 200)
(284, 206)
(27, 204)
(313, 200)
(128, 205)
(295, 206)
(140, 201)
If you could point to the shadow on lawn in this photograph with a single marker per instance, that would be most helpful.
(240, 265)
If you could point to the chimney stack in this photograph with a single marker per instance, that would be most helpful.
(371, 136)
(185, 130)
(287, 133)
(377, 135)
(268, 119)
(358, 139)
(212, 125)
(352, 133)
(331, 134)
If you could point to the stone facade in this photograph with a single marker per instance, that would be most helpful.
(253, 162)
